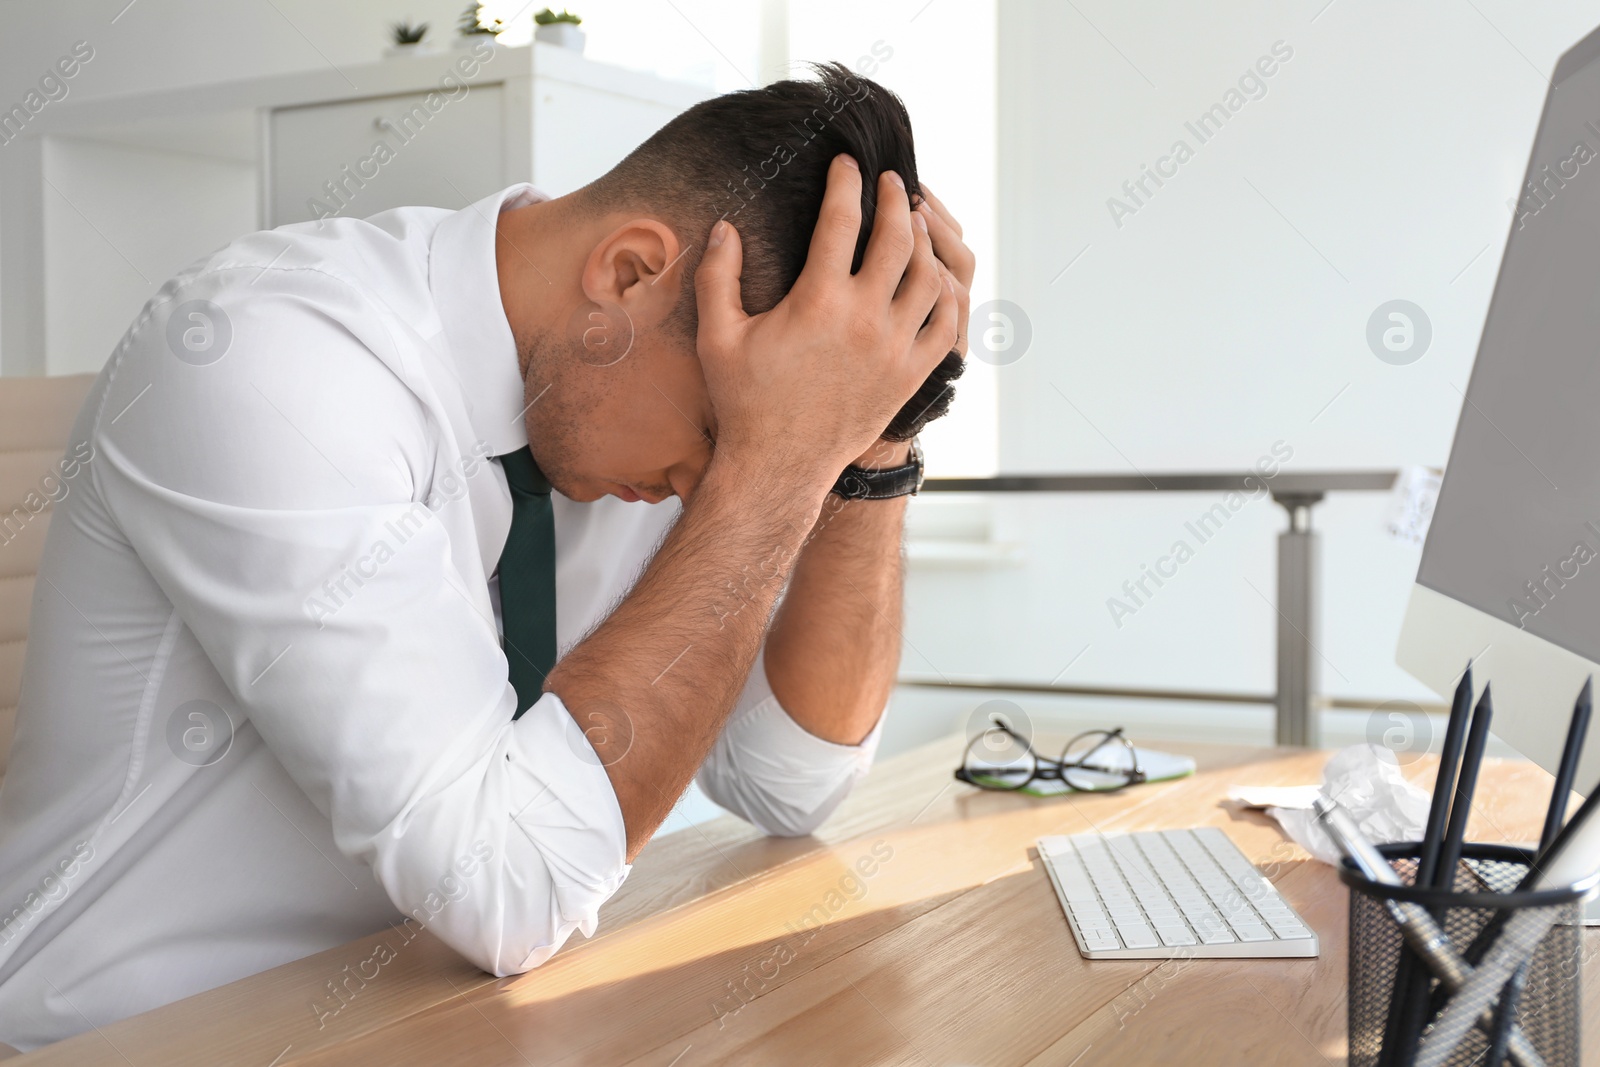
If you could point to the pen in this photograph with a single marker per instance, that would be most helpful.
(1573, 857)
(1473, 1000)
(1417, 925)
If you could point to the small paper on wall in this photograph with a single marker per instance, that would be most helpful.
(1411, 503)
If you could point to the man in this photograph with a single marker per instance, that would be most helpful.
(293, 669)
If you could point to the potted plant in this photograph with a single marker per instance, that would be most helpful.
(559, 28)
(476, 23)
(406, 38)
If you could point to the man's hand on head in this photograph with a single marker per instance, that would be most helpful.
(812, 383)
(953, 252)
(834, 646)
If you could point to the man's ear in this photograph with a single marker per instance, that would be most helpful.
(636, 266)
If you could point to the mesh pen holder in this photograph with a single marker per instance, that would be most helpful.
(1548, 1010)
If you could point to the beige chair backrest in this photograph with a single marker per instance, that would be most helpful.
(36, 417)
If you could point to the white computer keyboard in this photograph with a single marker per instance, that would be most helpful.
(1164, 893)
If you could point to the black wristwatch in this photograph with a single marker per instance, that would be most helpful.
(860, 483)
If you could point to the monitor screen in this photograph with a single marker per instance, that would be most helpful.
(1516, 532)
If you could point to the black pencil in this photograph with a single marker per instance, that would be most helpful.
(1466, 784)
(1555, 815)
(1411, 968)
(1567, 769)
(1538, 877)
(1554, 828)
(1444, 786)
(1417, 1000)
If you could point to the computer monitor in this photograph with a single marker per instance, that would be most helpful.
(1510, 573)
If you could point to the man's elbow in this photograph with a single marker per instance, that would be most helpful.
(777, 817)
(780, 779)
(793, 824)
(518, 950)
(519, 914)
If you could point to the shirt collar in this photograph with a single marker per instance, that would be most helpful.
(466, 291)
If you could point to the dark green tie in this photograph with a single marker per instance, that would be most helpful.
(528, 579)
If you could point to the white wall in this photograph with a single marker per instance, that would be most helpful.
(1229, 312)
(112, 244)
(163, 44)
(940, 58)
(115, 243)
(1226, 314)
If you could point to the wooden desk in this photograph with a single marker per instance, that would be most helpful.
(915, 928)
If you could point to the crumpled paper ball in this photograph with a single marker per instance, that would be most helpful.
(1366, 782)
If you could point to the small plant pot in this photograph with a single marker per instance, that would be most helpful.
(562, 35)
(417, 48)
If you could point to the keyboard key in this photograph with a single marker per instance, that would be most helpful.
(1250, 932)
(1290, 928)
(1101, 944)
(1172, 936)
(1138, 936)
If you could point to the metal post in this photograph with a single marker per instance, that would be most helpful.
(1298, 672)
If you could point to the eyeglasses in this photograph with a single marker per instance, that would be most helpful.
(1096, 761)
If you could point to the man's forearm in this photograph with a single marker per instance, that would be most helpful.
(834, 649)
(652, 686)
(796, 391)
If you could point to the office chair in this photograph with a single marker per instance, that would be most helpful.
(36, 416)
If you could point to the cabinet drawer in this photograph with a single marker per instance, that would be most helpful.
(360, 157)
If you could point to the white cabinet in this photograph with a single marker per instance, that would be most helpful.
(201, 161)
(360, 157)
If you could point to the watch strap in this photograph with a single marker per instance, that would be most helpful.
(885, 483)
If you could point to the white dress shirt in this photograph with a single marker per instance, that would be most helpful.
(264, 709)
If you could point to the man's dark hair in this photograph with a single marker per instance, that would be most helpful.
(759, 158)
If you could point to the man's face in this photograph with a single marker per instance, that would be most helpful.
(620, 411)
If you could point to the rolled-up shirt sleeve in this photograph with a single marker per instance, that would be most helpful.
(772, 772)
(325, 589)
